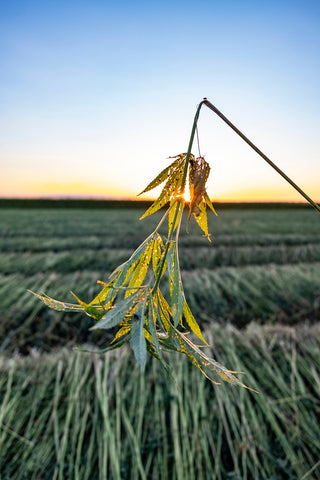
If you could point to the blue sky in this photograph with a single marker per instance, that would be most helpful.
(96, 95)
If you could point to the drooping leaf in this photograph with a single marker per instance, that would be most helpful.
(211, 367)
(191, 321)
(160, 178)
(177, 297)
(123, 330)
(172, 188)
(124, 267)
(163, 310)
(57, 305)
(157, 252)
(141, 269)
(116, 314)
(100, 298)
(138, 341)
(209, 203)
(202, 219)
(101, 351)
(174, 215)
(199, 171)
(152, 327)
(170, 260)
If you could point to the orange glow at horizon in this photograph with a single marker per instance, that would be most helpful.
(26, 187)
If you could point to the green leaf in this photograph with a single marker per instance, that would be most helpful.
(141, 269)
(211, 367)
(104, 350)
(116, 314)
(209, 203)
(170, 260)
(177, 297)
(138, 341)
(152, 326)
(124, 267)
(163, 310)
(172, 217)
(191, 321)
(161, 201)
(56, 305)
(202, 220)
(157, 252)
(171, 189)
(160, 178)
(121, 332)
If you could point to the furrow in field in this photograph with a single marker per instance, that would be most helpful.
(270, 293)
(107, 259)
(97, 241)
(87, 416)
(286, 293)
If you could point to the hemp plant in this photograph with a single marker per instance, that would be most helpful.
(132, 302)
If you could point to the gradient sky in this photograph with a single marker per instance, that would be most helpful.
(95, 95)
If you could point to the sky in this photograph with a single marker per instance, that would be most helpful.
(96, 95)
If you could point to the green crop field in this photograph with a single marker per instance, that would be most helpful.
(255, 291)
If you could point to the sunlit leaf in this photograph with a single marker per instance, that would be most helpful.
(157, 252)
(160, 178)
(191, 321)
(202, 219)
(172, 187)
(141, 269)
(123, 268)
(209, 203)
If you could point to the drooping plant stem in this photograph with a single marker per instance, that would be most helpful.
(176, 204)
(132, 300)
(208, 104)
(193, 131)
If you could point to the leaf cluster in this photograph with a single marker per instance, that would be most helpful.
(132, 301)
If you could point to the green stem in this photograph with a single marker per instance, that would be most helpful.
(193, 131)
(259, 152)
(161, 265)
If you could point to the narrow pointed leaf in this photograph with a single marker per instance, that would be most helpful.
(177, 298)
(209, 203)
(104, 350)
(116, 314)
(163, 310)
(202, 220)
(138, 341)
(157, 252)
(152, 327)
(191, 321)
(124, 267)
(141, 269)
(160, 178)
(56, 305)
(169, 191)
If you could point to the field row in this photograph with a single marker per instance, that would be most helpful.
(119, 223)
(190, 258)
(78, 416)
(37, 244)
(286, 293)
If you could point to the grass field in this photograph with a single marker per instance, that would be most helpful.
(255, 291)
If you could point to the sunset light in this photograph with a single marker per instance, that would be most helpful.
(95, 110)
